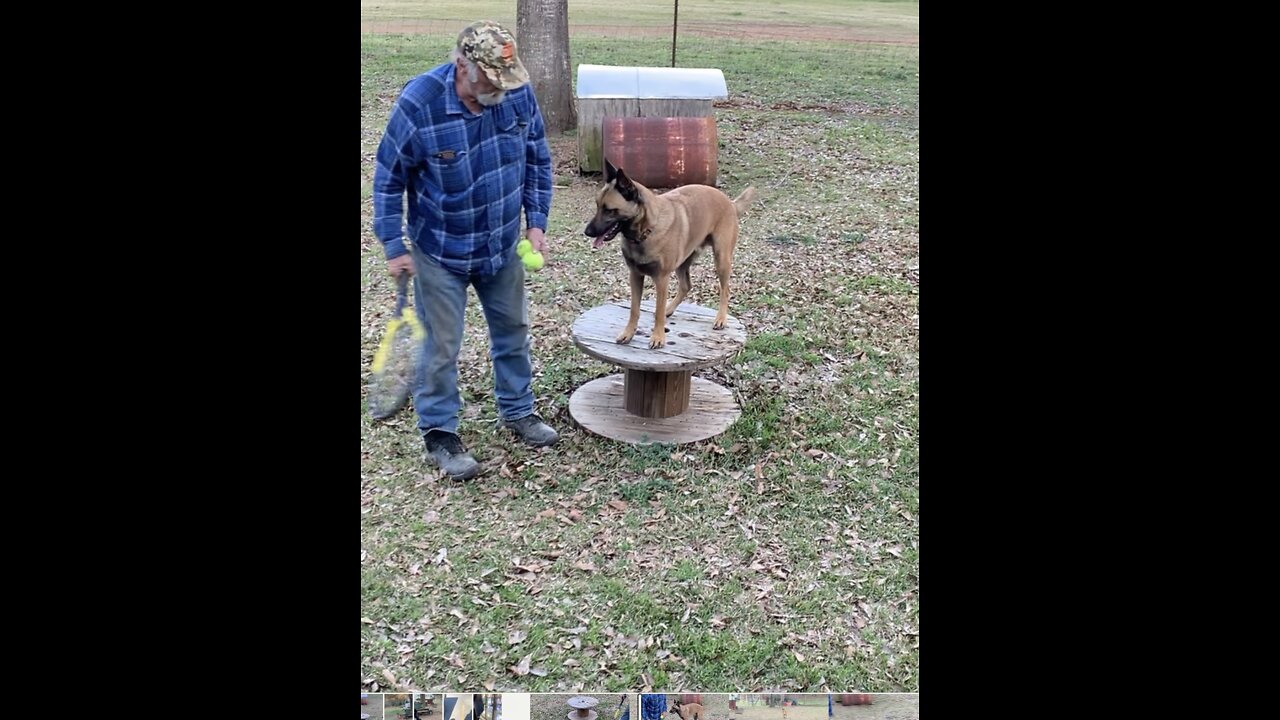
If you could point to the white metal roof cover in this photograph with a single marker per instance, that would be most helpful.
(612, 81)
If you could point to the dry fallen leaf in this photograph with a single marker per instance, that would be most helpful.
(589, 567)
(799, 657)
(619, 504)
(540, 672)
(575, 515)
(523, 668)
(366, 621)
(490, 683)
(516, 637)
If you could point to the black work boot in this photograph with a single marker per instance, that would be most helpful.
(532, 430)
(446, 450)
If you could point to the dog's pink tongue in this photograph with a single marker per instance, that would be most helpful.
(598, 243)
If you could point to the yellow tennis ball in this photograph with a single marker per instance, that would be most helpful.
(533, 261)
(524, 247)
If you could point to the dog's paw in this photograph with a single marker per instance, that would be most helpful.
(720, 321)
(658, 339)
(625, 337)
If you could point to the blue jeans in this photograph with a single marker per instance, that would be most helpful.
(441, 298)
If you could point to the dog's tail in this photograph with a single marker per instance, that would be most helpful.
(744, 200)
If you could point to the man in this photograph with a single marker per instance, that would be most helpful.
(466, 142)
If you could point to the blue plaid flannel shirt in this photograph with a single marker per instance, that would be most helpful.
(467, 176)
(652, 706)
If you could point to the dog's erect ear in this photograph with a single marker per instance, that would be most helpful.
(626, 188)
(610, 172)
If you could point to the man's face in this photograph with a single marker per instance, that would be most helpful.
(485, 92)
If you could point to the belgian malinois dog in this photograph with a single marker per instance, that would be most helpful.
(663, 234)
(687, 711)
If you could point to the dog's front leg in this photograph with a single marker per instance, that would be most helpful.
(659, 337)
(637, 288)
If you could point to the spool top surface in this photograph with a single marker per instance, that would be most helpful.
(692, 343)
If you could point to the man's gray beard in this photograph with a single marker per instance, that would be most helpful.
(486, 99)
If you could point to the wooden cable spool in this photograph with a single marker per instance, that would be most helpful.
(656, 398)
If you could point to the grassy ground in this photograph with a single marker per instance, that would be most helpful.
(783, 553)
(904, 706)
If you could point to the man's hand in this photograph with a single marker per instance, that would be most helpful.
(397, 265)
(537, 239)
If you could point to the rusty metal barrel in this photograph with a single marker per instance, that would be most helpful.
(663, 152)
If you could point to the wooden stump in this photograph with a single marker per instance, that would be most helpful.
(657, 399)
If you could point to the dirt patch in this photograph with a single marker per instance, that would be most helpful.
(852, 108)
(564, 154)
(735, 30)
(373, 707)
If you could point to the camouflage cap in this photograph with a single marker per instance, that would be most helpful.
(493, 49)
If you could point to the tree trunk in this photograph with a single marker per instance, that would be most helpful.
(542, 33)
